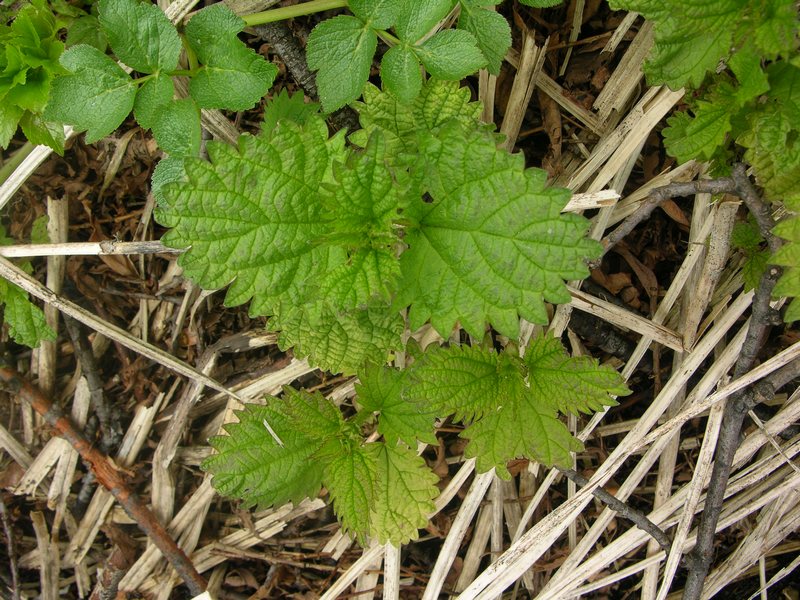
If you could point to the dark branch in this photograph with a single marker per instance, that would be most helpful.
(12, 551)
(625, 511)
(108, 476)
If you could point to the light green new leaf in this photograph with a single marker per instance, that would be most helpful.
(490, 29)
(415, 19)
(253, 215)
(524, 425)
(339, 342)
(788, 256)
(312, 414)
(232, 76)
(493, 245)
(401, 74)
(451, 54)
(153, 95)
(746, 65)
(283, 107)
(404, 492)
(251, 465)
(690, 37)
(341, 50)
(351, 478)
(776, 24)
(379, 14)
(381, 391)
(177, 128)
(541, 3)
(570, 384)
(9, 119)
(140, 35)
(41, 132)
(462, 380)
(26, 322)
(96, 96)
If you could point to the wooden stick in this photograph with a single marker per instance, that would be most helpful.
(108, 476)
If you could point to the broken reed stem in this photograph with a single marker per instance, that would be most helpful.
(103, 248)
(624, 510)
(11, 546)
(108, 476)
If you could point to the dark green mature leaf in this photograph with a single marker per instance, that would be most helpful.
(96, 96)
(87, 30)
(26, 322)
(401, 73)
(451, 54)
(41, 132)
(153, 95)
(341, 50)
(379, 14)
(416, 19)
(140, 35)
(232, 76)
(490, 29)
(177, 127)
(381, 390)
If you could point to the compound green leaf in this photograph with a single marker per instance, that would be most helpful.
(312, 414)
(493, 245)
(253, 215)
(490, 29)
(381, 390)
(140, 35)
(465, 381)
(87, 30)
(404, 493)
(153, 95)
(339, 342)
(379, 14)
(416, 19)
(351, 478)
(96, 96)
(177, 128)
(524, 425)
(26, 322)
(341, 50)
(451, 54)
(570, 384)
(401, 74)
(250, 464)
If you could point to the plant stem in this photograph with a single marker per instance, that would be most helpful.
(289, 12)
(14, 161)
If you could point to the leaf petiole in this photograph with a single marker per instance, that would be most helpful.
(290, 12)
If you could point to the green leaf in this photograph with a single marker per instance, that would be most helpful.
(39, 234)
(250, 464)
(26, 322)
(232, 76)
(311, 414)
(451, 54)
(153, 95)
(788, 256)
(691, 37)
(401, 74)
(775, 27)
(351, 478)
(379, 14)
(541, 3)
(571, 384)
(746, 65)
(415, 19)
(96, 96)
(754, 266)
(461, 380)
(177, 128)
(404, 493)
(339, 342)
(283, 107)
(253, 215)
(493, 245)
(87, 30)
(523, 426)
(140, 35)
(699, 136)
(9, 119)
(168, 170)
(490, 29)
(341, 50)
(41, 132)
(381, 390)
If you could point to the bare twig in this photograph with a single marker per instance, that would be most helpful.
(107, 475)
(757, 207)
(114, 570)
(624, 510)
(11, 546)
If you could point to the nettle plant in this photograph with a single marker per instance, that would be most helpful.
(740, 61)
(351, 242)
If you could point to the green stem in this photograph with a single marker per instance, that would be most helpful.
(289, 12)
(388, 37)
(14, 161)
(191, 55)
